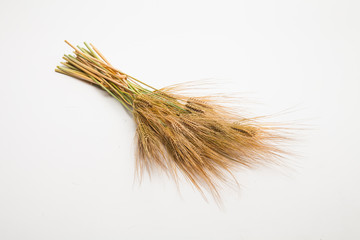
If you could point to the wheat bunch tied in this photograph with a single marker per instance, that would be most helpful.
(195, 136)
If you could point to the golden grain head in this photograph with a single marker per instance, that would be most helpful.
(199, 139)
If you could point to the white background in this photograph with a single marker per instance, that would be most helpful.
(67, 148)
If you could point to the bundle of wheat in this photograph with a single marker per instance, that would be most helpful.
(197, 137)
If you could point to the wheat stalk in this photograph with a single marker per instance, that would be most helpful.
(194, 136)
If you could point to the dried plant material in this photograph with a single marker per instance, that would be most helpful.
(197, 137)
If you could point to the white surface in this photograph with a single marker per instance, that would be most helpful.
(67, 152)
